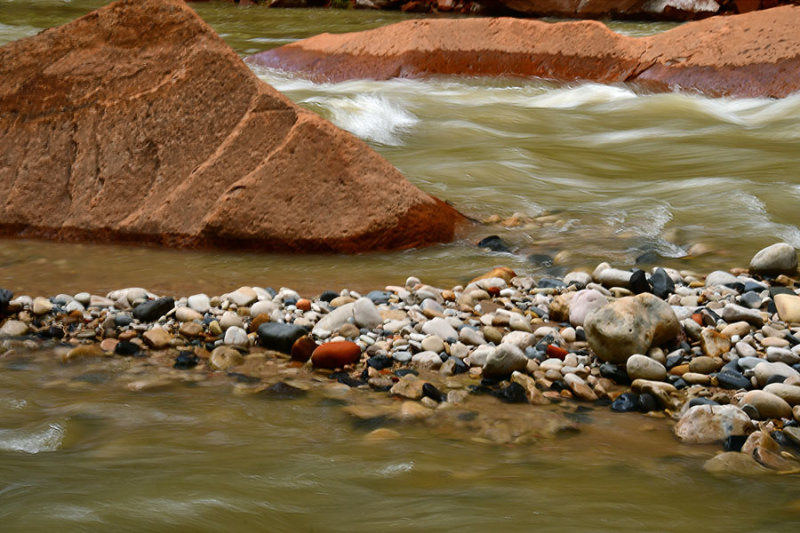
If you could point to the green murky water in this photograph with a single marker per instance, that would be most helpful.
(623, 173)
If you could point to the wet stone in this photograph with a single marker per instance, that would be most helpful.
(615, 373)
(647, 403)
(283, 391)
(626, 403)
(702, 401)
(185, 361)
(662, 283)
(122, 320)
(430, 391)
(514, 393)
(639, 282)
(152, 310)
(279, 337)
(127, 349)
(5, 297)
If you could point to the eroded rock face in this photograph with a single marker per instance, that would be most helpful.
(138, 123)
(721, 56)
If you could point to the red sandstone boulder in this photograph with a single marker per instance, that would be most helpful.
(470, 47)
(755, 54)
(138, 123)
(336, 354)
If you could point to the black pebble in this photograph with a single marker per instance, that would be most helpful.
(614, 373)
(638, 282)
(494, 243)
(185, 361)
(327, 296)
(152, 310)
(662, 284)
(514, 393)
(625, 403)
(400, 372)
(701, 401)
(126, 349)
(728, 379)
(433, 393)
(680, 383)
(122, 319)
(771, 308)
(279, 337)
(734, 443)
(673, 360)
(380, 361)
(460, 366)
(775, 378)
(346, 379)
(776, 290)
(379, 297)
(5, 297)
(647, 403)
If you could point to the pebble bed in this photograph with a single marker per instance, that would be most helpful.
(717, 355)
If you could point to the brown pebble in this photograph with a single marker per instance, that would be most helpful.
(108, 345)
(336, 354)
(303, 348)
(263, 318)
(303, 304)
(191, 329)
(127, 335)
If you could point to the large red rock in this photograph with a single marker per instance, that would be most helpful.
(469, 46)
(754, 54)
(137, 123)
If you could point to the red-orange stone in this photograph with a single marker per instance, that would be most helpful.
(303, 304)
(303, 348)
(697, 317)
(556, 351)
(336, 354)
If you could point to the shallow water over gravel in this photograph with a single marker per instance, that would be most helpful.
(622, 172)
(79, 452)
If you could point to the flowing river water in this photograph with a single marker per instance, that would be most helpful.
(579, 173)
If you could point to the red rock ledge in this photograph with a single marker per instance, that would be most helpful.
(755, 54)
(138, 123)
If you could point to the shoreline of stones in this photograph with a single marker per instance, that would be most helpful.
(719, 354)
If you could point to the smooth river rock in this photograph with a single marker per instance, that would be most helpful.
(719, 56)
(630, 325)
(705, 424)
(767, 404)
(788, 306)
(642, 367)
(137, 123)
(336, 354)
(779, 258)
(504, 360)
